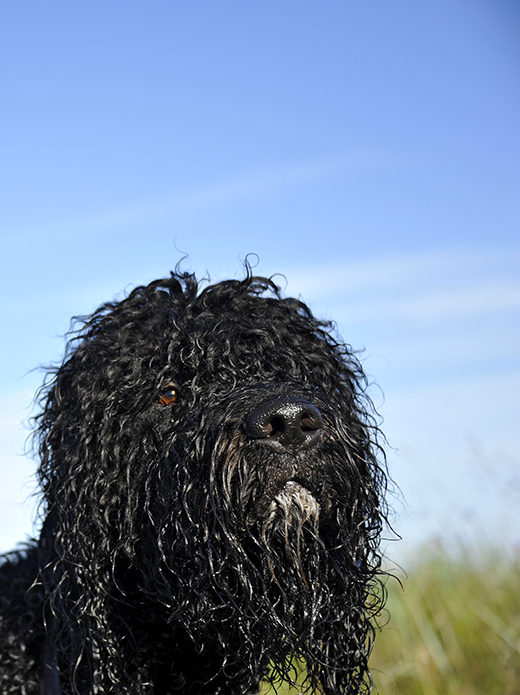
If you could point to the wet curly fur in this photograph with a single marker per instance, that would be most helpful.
(212, 503)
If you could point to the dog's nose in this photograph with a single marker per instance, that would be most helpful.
(287, 421)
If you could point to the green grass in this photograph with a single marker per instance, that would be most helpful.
(453, 628)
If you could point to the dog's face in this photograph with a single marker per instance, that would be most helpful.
(218, 454)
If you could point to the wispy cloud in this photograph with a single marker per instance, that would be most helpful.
(436, 305)
(257, 183)
(423, 316)
(401, 270)
(418, 288)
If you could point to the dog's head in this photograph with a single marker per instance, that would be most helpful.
(211, 459)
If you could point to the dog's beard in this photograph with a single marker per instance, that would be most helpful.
(294, 561)
(292, 520)
(275, 520)
(293, 504)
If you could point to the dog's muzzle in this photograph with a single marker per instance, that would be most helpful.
(286, 422)
(286, 432)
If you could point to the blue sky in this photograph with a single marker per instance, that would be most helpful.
(369, 152)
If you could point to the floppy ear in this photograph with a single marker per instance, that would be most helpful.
(93, 433)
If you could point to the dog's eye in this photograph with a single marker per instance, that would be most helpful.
(169, 395)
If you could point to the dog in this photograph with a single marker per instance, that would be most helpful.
(213, 496)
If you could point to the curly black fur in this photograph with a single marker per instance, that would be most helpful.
(212, 503)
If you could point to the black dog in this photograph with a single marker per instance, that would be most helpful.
(212, 503)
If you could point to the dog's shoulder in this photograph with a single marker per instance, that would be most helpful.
(21, 623)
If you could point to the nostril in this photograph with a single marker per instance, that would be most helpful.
(276, 426)
(309, 423)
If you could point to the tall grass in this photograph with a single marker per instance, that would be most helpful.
(453, 628)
